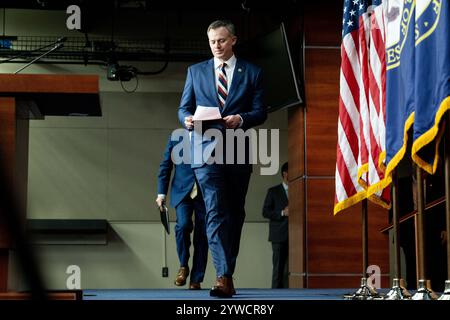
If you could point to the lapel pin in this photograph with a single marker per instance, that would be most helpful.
(239, 70)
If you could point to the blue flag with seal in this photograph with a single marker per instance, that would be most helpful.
(400, 57)
(432, 79)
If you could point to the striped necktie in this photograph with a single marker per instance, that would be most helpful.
(222, 88)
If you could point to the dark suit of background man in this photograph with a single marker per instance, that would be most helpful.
(276, 209)
(224, 186)
(186, 199)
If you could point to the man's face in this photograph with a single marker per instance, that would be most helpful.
(285, 176)
(221, 43)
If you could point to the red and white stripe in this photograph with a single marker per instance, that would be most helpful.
(222, 84)
(361, 125)
(348, 190)
(365, 129)
(377, 104)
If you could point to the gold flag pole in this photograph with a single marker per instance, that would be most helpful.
(422, 291)
(397, 292)
(446, 294)
(365, 291)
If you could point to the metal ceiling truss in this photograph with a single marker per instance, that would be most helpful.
(99, 50)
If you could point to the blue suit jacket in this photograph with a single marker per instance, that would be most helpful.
(183, 177)
(245, 96)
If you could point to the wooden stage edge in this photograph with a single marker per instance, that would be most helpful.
(52, 295)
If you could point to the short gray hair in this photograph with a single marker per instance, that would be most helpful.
(223, 23)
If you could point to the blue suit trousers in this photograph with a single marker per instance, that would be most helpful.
(183, 229)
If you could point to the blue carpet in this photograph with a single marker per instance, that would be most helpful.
(242, 294)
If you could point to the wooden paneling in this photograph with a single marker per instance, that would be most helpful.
(297, 226)
(334, 242)
(56, 95)
(49, 296)
(296, 142)
(332, 250)
(296, 149)
(4, 259)
(322, 96)
(344, 281)
(297, 281)
(323, 23)
(7, 135)
(7, 156)
(48, 83)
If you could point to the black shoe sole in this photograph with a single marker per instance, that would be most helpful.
(219, 294)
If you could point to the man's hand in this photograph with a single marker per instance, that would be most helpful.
(232, 122)
(160, 201)
(188, 122)
(286, 212)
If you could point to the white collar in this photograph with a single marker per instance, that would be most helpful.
(285, 186)
(230, 62)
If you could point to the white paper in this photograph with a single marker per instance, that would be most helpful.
(203, 113)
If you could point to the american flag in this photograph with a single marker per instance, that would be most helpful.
(362, 116)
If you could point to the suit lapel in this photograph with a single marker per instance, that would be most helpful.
(237, 77)
(283, 194)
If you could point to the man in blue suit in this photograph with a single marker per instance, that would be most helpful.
(186, 199)
(235, 87)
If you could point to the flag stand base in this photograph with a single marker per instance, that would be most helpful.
(423, 293)
(365, 292)
(446, 294)
(398, 291)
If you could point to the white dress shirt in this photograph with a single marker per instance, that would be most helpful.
(229, 70)
(286, 188)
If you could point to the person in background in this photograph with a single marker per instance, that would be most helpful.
(276, 210)
(187, 199)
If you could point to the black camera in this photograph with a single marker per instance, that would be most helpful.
(123, 73)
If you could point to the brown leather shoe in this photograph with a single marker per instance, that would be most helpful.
(194, 286)
(223, 288)
(183, 273)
